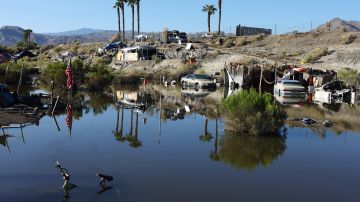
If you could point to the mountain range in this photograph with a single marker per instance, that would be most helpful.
(10, 35)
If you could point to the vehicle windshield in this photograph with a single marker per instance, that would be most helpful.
(291, 83)
(199, 76)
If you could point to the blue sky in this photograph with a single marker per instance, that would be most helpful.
(55, 16)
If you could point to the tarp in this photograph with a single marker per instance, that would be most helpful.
(6, 98)
(24, 53)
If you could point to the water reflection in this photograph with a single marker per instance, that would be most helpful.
(251, 152)
(189, 123)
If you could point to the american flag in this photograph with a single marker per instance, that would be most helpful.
(70, 76)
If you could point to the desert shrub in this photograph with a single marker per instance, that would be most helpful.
(155, 58)
(98, 77)
(200, 71)
(349, 76)
(55, 72)
(103, 60)
(315, 55)
(14, 72)
(250, 61)
(183, 71)
(241, 41)
(348, 38)
(251, 113)
(260, 37)
(229, 43)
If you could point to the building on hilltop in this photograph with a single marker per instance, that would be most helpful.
(248, 31)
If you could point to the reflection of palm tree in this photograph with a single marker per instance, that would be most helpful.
(119, 134)
(129, 136)
(206, 137)
(136, 142)
(214, 154)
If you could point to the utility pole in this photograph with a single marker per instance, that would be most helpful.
(275, 29)
(230, 31)
(311, 26)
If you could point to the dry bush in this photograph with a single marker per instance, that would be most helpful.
(348, 38)
(241, 41)
(315, 55)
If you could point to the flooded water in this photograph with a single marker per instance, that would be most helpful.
(178, 153)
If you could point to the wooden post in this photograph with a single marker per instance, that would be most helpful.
(261, 78)
(20, 79)
(7, 70)
(52, 92)
(57, 100)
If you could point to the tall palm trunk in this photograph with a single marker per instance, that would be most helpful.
(138, 16)
(133, 20)
(123, 19)
(119, 23)
(220, 10)
(209, 22)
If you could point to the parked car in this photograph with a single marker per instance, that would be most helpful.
(198, 81)
(207, 35)
(289, 88)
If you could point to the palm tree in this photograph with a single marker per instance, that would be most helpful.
(29, 40)
(27, 36)
(138, 14)
(119, 133)
(135, 143)
(131, 3)
(118, 7)
(123, 15)
(210, 10)
(214, 154)
(129, 136)
(220, 11)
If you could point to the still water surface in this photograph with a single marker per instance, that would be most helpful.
(185, 157)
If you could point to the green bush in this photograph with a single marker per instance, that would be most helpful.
(250, 113)
(13, 74)
(55, 72)
(98, 77)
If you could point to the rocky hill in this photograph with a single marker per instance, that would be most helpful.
(338, 24)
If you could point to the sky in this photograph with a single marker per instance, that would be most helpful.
(44, 16)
